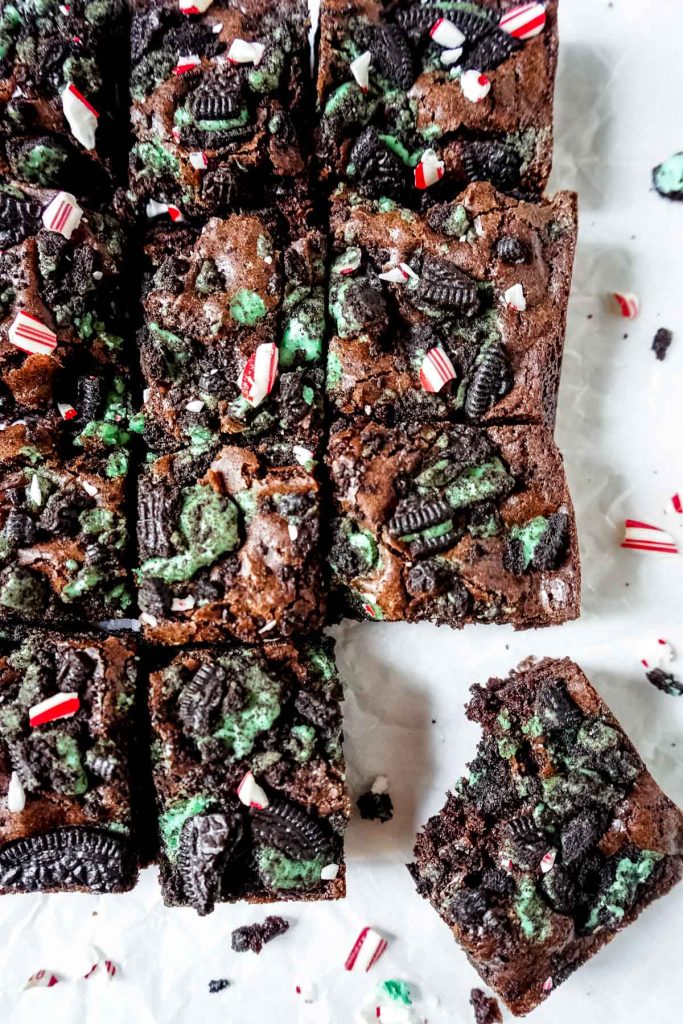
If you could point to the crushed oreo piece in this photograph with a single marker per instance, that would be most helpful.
(511, 250)
(411, 516)
(392, 56)
(580, 834)
(555, 708)
(378, 170)
(666, 682)
(205, 697)
(376, 804)
(486, 1009)
(492, 378)
(18, 219)
(468, 907)
(494, 161)
(253, 937)
(206, 843)
(661, 342)
(492, 50)
(444, 285)
(552, 545)
(434, 545)
(218, 985)
(68, 857)
(527, 842)
(289, 829)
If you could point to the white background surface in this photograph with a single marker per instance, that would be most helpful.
(619, 112)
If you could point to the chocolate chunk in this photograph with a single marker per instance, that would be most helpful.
(378, 170)
(69, 857)
(444, 285)
(661, 342)
(392, 56)
(666, 682)
(491, 379)
(253, 937)
(206, 843)
(289, 829)
(315, 709)
(511, 250)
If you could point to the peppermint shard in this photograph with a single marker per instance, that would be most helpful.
(556, 839)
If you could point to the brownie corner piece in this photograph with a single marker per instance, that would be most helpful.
(249, 774)
(451, 524)
(66, 711)
(555, 841)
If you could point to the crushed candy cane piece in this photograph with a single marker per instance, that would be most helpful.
(293, 531)
(175, 135)
(475, 85)
(360, 69)
(429, 170)
(644, 537)
(628, 304)
(194, 6)
(217, 28)
(525, 21)
(30, 335)
(199, 161)
(182, 604)
(66, 411)
(514, 298)
(64, 8)
(60, 705)
(196, 405)
(16, 796)
(329, 872)
(451, 57)
(547, 985)
(268, 626)
(89, 488)
(41, 979)
(80, 115)
(369, 607)
(258, 376)
(506, 863)
(101, 968)
(34, 491)
(380, 785)
(251, 794)
(242, 52)
(399, 274)
(662, 655)
(307, 990)
(148, 620)
(348, 262)
(366, 951)
(436, 370)
(446, 34)
(548, 861)
(302, 455)
(186, 64)
(155, 209)
(63, 214)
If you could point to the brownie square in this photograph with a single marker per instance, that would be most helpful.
(219, 103)
(470, 324)
(66, 706)
(232, 345)
(419, 98)
(554, 842)
(62, 70)
(452, 524)
(249, 774)
(229, 547)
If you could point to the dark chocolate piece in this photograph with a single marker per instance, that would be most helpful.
(253, 937)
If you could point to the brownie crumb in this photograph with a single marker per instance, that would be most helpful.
(486, 1009)
(254, 936)
(661, 342)
(376, 804)
(218, 985)
(666, 682)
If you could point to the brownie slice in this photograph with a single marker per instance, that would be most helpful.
(219, 103)
(554, 842)
(229, 546)
(62, 69)
(273, 711)
(232, 344)
(453, 524)
(66, 706)
(62, 300)
(470, 324)
(375, 134)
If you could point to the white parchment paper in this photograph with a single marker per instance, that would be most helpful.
(619, 112)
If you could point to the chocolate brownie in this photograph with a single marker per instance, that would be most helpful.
(468, 320)
(62, 300)
(453, 524)
(62, 69)
(219, 100)
(249, 774)
(229, 546)
(554, 842)
(446, 80)
(66, 705)
(232, 344)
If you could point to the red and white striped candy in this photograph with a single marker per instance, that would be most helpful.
(199, 160)
(662, 655)
(242, 52)
(548, 861)
(194, 6)
(101, 968)
(643, 537)
(30, 335)
(398, 274)
(182, 604)
(63, 214)
(348, 262)
(80, 115)
(66, 411)
(258, 376)
(42, 979)
(34, 491)
(186, 64)
(446, 34)
(16, 797)
(429, 170)
(370, 609)
(515, 298)
(175, 135)
(547, 985)
(525, 21)
(250, 793)
(155, 209)
(61, 705)
(360, 69)
(64, 8)
(367, 949)
(436, 370)
(628, 303)
(475, 85)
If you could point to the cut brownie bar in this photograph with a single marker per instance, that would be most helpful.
(233, 339)
(249, 774)
(66, 705)
(453, 524)
(219, 100)
(62, 67)
(555, 841)
(468, 319)
(422, 122)
(229, 547)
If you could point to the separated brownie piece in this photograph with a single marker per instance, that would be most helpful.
(219, 100)
(229, 547)
(66, 705)
(233, 339)
(62, 67)
(458, 314)
(249, 774)
(555, 841)
(452, 524)
(416, 99)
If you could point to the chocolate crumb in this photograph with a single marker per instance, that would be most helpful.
(661, 342)
(666, 682)
(218, 985)
(486, 1009)
(254, 936)
(375, 807)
